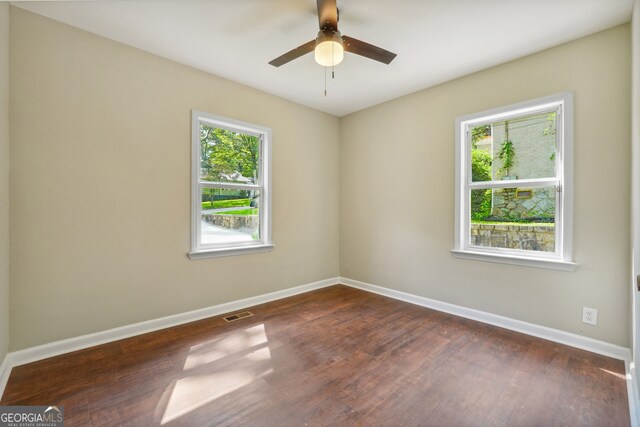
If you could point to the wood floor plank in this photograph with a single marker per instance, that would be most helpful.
(335, 356)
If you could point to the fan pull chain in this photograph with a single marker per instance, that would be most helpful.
(333, 61)
(325, 81)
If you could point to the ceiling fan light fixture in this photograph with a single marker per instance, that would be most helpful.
(329, 50)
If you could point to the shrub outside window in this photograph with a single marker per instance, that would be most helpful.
(514, 184)
(231, 197)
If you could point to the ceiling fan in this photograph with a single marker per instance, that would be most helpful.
(330, 44)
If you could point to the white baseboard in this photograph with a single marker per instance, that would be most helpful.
(5, 371)
(632, 393)
(562, 337)
(57, 348)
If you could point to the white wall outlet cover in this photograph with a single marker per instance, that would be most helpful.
(590, 315)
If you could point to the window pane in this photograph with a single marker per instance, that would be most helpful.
(229, 216)
(514, 218)
(519, 148)
(227, 156)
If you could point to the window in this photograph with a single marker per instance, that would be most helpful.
(231, 197)
(514, 184)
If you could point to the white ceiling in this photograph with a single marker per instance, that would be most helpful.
(436, 40)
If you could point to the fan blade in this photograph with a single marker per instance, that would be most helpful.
(367, 50)
(294, 54)
(328, 14)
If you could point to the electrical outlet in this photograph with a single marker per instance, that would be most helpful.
(590, 315)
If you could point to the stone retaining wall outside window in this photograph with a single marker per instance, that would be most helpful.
(232, 222)
(514, 236)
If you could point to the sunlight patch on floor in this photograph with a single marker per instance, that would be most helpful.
(217, 368)
(220, 348)
(615, 374)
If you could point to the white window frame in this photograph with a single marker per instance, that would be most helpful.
(561, 259)
(198, 249)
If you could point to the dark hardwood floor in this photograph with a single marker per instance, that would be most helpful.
(336, 356)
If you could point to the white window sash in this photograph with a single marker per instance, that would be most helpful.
(536, 182)
(230, 185)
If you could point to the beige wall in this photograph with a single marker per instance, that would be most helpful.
(397, 191)
(100, 186)
(4, 179)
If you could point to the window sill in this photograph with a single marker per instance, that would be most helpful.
(515, 260)
(215, 253)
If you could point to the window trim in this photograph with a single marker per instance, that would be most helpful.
(198, 251)
(562, 258)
